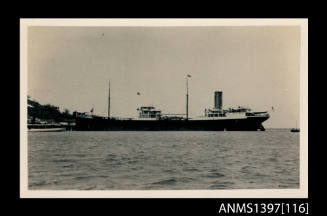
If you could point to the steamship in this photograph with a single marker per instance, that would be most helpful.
(152, 119)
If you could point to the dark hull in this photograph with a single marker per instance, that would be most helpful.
(100, 124)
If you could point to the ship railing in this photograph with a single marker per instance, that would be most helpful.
(235, 114)
(117, 118)
(261, 114)
(172, 117)
(173, 114)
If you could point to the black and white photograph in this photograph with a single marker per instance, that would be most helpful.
(202, 108)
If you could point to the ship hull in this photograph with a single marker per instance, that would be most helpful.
(242, 124)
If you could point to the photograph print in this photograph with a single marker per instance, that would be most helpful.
(176, 108)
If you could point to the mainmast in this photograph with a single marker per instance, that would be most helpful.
(109, 101)
(187, 95)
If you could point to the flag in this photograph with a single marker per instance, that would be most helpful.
(188, 75)
(138, 93)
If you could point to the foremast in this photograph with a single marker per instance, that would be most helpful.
(109, 101)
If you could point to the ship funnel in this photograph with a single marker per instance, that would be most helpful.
(218, 100)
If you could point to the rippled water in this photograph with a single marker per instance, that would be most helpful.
(163, 160)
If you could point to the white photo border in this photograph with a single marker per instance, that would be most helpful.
(302, 192)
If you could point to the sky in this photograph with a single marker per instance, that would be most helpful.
(254, 66)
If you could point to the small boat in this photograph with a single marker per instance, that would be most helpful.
(45, 127)
(295, 130)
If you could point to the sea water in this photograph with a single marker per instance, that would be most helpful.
(165, 160)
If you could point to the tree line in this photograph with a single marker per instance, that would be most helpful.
(46, 112)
